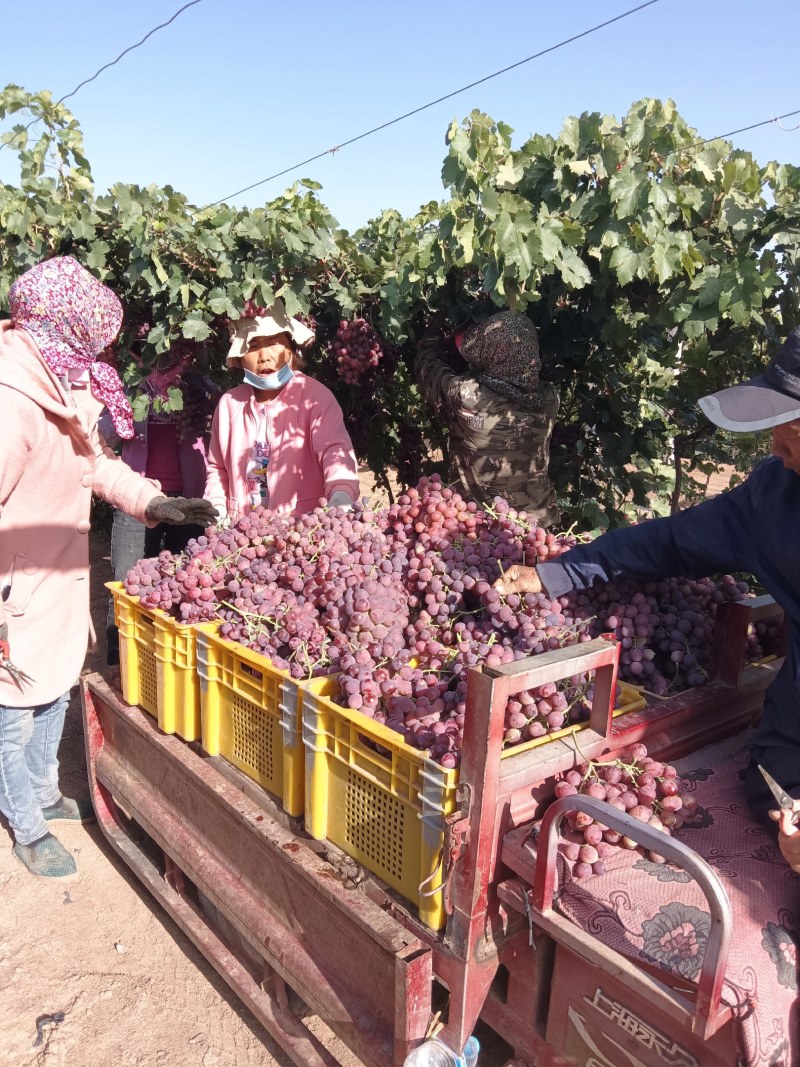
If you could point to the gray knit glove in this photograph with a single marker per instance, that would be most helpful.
(340, 499)
(181, 511)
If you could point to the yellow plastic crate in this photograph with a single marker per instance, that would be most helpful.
(158, 664)
(137, 649)
(387, 810)
(250, 714)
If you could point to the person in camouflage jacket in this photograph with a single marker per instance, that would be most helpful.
(499, 415)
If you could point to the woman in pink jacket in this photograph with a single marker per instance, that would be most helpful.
(278, 440)
(51, 461)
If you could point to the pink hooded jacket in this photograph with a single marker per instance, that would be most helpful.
(51, 461)
(312, 455)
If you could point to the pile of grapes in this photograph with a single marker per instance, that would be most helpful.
(400, 601)
(764, 638)
(356, 349)
(644, 788)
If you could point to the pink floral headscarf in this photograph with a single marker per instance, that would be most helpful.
(72, 317)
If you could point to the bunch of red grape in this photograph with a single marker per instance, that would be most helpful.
(534, 713)
(252, 310)
(565, 436)
(410, 454)
(644, 788)
(664, 627)
(764, 638)
(308, 321)
(200, 398)
(278, 624)
(357, 349)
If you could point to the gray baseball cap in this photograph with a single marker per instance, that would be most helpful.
(768, 400)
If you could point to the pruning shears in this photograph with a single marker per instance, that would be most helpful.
(785, 802)
(21, 679)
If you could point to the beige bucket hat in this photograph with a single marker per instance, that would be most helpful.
(273, 322)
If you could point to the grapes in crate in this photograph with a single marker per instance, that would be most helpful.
(764, 638)
(550, 708)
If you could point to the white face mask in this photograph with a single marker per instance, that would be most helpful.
(276, 380)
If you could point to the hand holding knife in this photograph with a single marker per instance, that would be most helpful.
(786, 818)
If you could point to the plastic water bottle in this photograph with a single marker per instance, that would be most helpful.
(435, 1053)
(470, 1053)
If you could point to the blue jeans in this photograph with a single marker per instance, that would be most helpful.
(29, 739)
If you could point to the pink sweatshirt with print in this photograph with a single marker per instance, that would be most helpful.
(311, 453)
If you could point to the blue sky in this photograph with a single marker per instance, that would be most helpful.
(235, 90)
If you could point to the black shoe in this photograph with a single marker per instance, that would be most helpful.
(69, 810)
(46, 858)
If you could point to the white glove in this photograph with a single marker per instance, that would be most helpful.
(340, 499)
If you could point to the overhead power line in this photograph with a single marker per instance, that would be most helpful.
(138, 44)
(744, 129)
(438, 100)
(105, 66)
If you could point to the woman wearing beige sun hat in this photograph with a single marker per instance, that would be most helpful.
(278, 440)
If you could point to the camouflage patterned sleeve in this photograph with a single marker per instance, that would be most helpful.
(438, 383)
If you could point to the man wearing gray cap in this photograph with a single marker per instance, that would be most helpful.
(754, 528)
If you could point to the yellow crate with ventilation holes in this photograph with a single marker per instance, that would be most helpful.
(158, 664)
(385, 809)
(251, 716)
(384, 802)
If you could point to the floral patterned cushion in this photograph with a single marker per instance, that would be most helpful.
(657, 913)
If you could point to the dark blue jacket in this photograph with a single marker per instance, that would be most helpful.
(754, 528)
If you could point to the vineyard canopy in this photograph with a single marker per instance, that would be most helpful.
(656, 268)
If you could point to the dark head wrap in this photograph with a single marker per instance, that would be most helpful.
(503, 353)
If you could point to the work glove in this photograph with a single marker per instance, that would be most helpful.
(435, 325)
(340, 499)
(181, 511)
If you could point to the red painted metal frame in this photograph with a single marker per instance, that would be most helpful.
(365, 974)
(706, 1016)
(476, 927)
(730, 631)
(502, 794)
